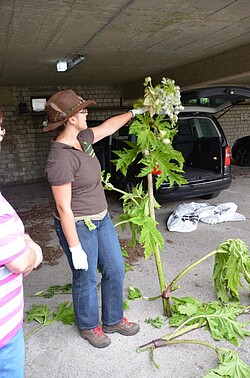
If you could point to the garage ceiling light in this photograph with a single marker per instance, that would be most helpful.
(70, 62)
(61, 66)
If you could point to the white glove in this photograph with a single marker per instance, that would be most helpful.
(138, 111)
(79, 257)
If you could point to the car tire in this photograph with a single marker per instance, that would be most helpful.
(210, 196)
(242, 156)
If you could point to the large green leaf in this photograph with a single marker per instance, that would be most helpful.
(126, 158)
(231, 367)
(184, 308)
(220, 319)
(65, 313)
(232, 261)
(40, 314)
(223, 326)
(149, 235)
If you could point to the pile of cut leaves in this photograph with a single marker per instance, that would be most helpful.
(232, 264)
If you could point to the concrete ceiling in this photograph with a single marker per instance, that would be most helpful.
(195, 42)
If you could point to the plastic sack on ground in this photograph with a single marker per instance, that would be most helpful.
(186, 216)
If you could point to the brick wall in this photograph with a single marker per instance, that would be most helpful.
(236, 122)
(25, 146)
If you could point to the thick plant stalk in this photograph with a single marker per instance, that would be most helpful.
(161, 343)
(186, 270)
(161, 275)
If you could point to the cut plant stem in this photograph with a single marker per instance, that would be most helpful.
(170, 337)
(36, 330)
(180, 332)
(190, 267)
(157, 254)
(161, 343)
(124, 193)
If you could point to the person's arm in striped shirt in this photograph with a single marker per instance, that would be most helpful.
(29, 260)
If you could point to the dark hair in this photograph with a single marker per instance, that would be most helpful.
(60, 128)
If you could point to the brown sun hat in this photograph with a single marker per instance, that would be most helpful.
(61, 106)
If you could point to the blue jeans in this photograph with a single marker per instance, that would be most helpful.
(12, 357)
(103, 250)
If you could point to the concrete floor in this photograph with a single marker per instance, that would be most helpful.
(57, 351)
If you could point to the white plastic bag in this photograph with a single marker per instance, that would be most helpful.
(186, 216)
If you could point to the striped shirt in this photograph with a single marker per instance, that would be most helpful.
(12, 245)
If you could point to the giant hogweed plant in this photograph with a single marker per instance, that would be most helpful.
(154, 135)
(153, 146)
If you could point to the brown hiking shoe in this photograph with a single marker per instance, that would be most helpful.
(125, 328)
(95, 337)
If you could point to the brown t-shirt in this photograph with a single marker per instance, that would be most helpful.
(66, 164)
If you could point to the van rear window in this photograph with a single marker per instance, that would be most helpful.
(198, 127)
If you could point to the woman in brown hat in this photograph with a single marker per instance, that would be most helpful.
(83, 225)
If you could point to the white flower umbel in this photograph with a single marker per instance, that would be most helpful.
(164, 98)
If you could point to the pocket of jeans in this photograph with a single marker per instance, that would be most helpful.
(83, 230)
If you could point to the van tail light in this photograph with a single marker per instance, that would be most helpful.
(227, 161)
(156, 171)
